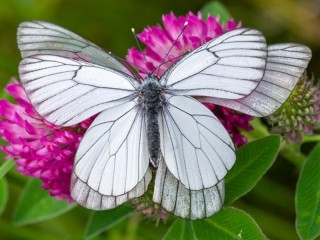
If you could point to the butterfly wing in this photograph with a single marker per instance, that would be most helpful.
(69, 79)
(229, 67)
(285, 65)
(66, 91)
(196, 147)
(173, 196)
(112, 164)
(39, 37)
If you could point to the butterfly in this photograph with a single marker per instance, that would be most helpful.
(154, 127)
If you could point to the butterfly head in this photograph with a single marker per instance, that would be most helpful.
(150, 90)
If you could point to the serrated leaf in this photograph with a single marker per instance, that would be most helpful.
(6, 167)
(215, 9)
(104, 220)
(3, 194)
(253, 160)
(308, 197)
(229, 223)
(36, 205)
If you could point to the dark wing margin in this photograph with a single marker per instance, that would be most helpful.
(91, 199)
(285, 64)
(111, 163)
(38, 37)
(175, 198)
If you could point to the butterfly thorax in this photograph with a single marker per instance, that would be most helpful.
(151, 99)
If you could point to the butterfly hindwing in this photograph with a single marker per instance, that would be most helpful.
(91, 199)
(112, 159)
(174, 197)
(69, 79)
(197, 149)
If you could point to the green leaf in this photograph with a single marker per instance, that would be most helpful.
(308, 197)
(36, 205)
(104, 220)
(214, 9)
(6, 167)
(5, 95)
(182, 228)
(229, 223)
(3, 194)
(253, 160)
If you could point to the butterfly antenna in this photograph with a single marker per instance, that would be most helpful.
(172, 59)
(137, 41)
(183, 28)
(126, 63)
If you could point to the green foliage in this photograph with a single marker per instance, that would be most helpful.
(4, 94)
(308, 197)
(215, 9)
(104, 220)
(3, 194)
(253, 160)
(6, 167)
(106, 23)
(36, 205)
(229, 223)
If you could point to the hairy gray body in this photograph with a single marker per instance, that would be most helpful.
(152, 100)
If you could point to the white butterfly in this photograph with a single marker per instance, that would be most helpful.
(154, 123)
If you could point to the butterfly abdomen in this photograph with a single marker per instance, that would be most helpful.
(150, 100)
(153, 137)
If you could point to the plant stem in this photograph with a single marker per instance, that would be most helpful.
(311, 138)
(259, 130)
(132, 228)
(290, 152)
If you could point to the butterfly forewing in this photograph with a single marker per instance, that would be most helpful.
(40, 37)
(228, 67)
(66, 91)
(69, 79)
(285, 65)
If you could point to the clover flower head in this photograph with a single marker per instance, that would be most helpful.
(163, 47)
(300, 114)
(45, 151)
(39, 148)
(160, 40)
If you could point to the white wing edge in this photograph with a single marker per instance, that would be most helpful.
(175, 198)
(88, 198)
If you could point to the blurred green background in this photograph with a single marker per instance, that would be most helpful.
(108, 24)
